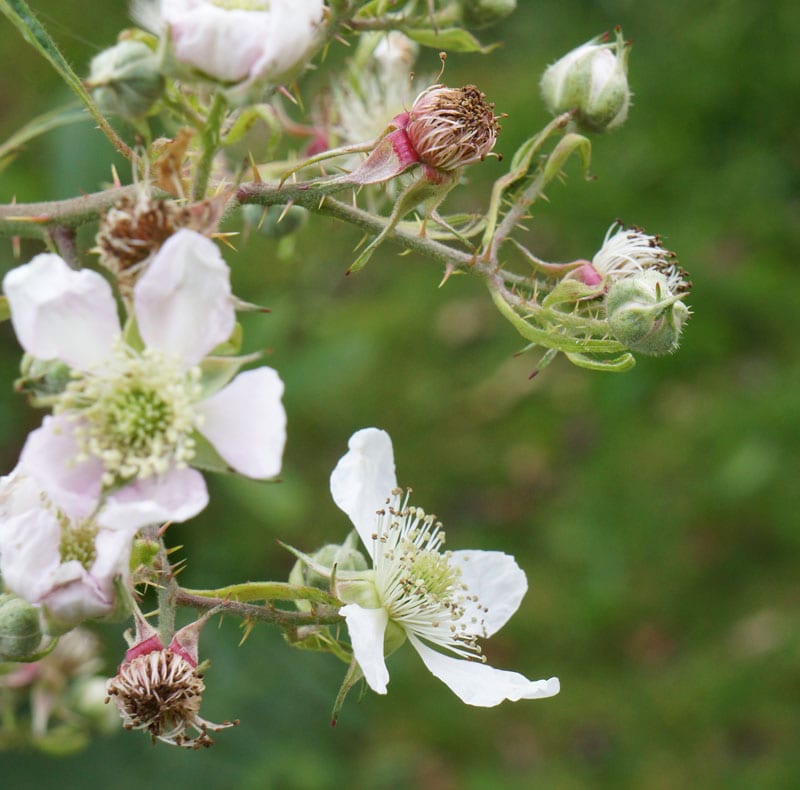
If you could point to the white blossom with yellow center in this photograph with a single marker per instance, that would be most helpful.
(417, 591)
(127, 422)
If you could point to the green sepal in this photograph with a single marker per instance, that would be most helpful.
(618, 364)
(131, 336)
(5, 308)
(207, 458)
(569, 144)
(217, 372)
(451, 39)
(233, 345)
(269, 591)
(571, 291)
(552, 338)
(246, 120)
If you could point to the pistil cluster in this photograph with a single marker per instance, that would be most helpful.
(419, 587)
(135, 414)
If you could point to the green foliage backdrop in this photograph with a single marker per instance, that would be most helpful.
(655, 512)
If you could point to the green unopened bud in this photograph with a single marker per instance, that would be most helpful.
(591, 82)
(345, 557)
(644, 315)
(42, 378)
(479, 13)
(125, 80)
(20, 629)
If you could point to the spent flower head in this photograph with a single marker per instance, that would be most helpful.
(159, 689)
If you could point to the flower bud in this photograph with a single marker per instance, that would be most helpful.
(644, 315)
(591, 82)
(42, 378)
(20, 629)
(344, 557)
(480, 13)
(125, 80)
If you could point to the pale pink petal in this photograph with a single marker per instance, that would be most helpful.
(75, 595)
(60, 313)
(48, 456)
(246, 423)
(479, 684)
(225, 44)
(367, 628)
(176, 496)
(29, 552)
(293, 26)
(498, 582)
(183, 302)
(364, 479)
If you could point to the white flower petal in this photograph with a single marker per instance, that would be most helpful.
(60, 313)
(48, 456)
(238, 45)
(499, 583)
(293, 26)
(75, 595)
(225, 44)
(29, 552)
(246, 423)
(178, 495)
(183, 302)
(364, 479)
(367, 628)
(479, 684)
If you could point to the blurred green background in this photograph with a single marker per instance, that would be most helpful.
(654, 512)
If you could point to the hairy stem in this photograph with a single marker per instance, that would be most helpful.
(322, 615)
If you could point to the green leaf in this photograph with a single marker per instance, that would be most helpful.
(63, 116)
(32, 31)
(452, 39)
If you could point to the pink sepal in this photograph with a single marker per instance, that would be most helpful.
(390, 157)
(149, 645)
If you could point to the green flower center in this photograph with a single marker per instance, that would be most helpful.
(419, 585)
(78, 541)
(135, 414)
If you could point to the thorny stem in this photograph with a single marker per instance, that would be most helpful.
(37, 220)
(322, 615)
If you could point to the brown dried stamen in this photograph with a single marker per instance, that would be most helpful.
(161, 692)
(452, 127)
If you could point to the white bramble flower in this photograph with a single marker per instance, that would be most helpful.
(127, 421)
(65, 557)
(435, 599)
(243, 42)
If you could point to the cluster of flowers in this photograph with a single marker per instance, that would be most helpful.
(116, 455)
(145, 386)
